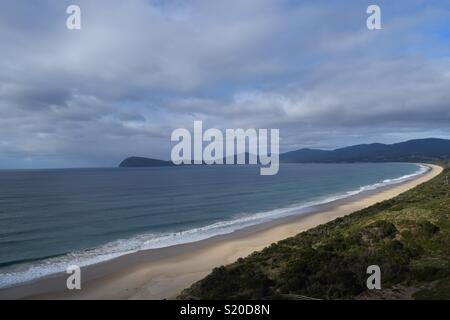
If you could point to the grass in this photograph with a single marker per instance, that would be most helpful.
(408, 237)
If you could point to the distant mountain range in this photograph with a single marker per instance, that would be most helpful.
(419, 150)
(409, 151)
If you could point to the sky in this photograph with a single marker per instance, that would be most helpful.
(139, 69)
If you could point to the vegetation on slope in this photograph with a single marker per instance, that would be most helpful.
(408, 237)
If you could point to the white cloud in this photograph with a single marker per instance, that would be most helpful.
(137, 70)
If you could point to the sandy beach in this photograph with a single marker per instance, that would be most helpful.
(163, 273)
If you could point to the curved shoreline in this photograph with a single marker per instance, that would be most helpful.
(163, 273)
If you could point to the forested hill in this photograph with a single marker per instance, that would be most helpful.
(421, 150)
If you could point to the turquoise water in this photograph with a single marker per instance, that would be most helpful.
(50, 219)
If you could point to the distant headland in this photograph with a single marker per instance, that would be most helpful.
(418, 150)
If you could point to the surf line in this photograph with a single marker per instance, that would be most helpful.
(232, 144)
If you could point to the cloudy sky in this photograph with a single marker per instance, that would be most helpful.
(139, 69)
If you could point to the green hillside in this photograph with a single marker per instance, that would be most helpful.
(408, 237)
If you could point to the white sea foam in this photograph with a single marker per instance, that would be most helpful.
(13, 275)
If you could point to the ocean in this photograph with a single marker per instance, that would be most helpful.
(50, 219)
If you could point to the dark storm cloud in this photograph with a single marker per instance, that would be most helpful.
(139, 69)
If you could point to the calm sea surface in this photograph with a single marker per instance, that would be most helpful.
(52, 218)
